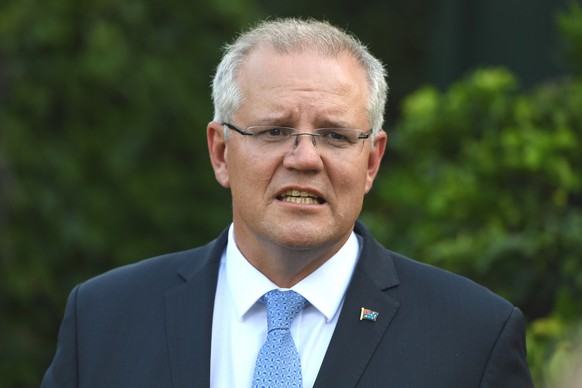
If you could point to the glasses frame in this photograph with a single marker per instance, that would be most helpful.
(362, 136)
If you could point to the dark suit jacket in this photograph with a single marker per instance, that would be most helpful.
(149, 325)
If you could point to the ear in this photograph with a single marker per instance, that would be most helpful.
(375, 157)
(218, 152)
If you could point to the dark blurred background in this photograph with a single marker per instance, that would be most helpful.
(103, 160)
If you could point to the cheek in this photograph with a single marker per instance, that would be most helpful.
(349, 186)
(349, 179)
(249, 175)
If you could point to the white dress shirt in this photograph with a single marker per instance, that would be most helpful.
(239, 325)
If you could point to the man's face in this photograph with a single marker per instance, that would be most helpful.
(304, 91)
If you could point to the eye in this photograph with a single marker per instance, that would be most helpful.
(275, 132)
(271, 133)
(337, 136)
(333, 135)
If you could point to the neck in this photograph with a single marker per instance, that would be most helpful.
(286, 266)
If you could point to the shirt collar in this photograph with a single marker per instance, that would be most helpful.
(324, 288)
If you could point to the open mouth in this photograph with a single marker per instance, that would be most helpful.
(301, 197)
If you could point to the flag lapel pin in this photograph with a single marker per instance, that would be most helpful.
(369, 315)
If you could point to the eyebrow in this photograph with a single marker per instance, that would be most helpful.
(286, 120)
(271, 120)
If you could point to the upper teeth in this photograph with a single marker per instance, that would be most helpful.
(297, 193)
(298, 196)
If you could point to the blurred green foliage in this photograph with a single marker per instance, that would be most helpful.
(485, 171)
(485, 180)
(103, 161)
(571, 33)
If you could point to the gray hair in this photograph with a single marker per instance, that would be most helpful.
(286, 35)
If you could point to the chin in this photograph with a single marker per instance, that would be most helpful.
(307, 239)
(306, 233)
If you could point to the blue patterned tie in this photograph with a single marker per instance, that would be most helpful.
(278, 363)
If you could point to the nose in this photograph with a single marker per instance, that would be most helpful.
(304, 155)
(313, 136)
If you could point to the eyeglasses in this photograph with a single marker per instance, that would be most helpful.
(275, 138)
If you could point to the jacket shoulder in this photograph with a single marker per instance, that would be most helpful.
(437, 286)
(161, 269)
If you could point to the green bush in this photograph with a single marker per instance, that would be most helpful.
(483, 171)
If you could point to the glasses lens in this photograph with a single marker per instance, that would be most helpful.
(270, 134)
(339, 137)
(276, 139)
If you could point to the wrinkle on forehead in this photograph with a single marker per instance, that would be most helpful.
(282, 87)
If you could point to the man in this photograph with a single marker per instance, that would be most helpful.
(297, 139)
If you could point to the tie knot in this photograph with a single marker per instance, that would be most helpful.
(282, 308)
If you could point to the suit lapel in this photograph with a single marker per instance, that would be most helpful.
(355, 340)
(189, 309)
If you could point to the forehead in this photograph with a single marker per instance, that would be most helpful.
(304, 81)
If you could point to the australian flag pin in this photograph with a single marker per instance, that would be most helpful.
(368, 315)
